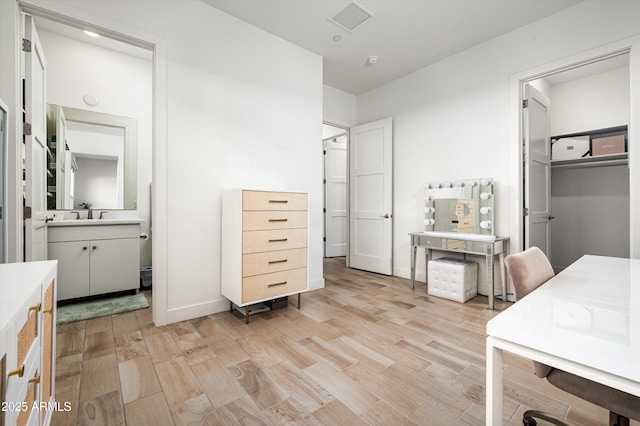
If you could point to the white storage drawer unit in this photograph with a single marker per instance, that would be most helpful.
(95, 259)
(264, 246)
(453, 279)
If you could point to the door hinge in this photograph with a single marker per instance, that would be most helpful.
(26, 45)
(525, 212)
(26, 129)
(324, 239)
(324, 181)
(324, 210)
(27, 213)
(525, 103)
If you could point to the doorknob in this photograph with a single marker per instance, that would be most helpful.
(549, 217)
(386, 216)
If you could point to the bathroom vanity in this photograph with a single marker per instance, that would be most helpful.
(95, 256)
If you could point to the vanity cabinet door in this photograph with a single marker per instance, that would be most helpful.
(73, 268)
(115, 265)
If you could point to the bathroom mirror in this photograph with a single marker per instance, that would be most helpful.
(92, 159)
(462, 206)
(4, 117)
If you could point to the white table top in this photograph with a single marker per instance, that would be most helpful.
(588, 314)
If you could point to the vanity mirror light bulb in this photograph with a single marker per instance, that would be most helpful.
(485, 195)
(485, 210)
(485, 224)
(485, 182)
(459, 183)
(472, 182)
(429, 221)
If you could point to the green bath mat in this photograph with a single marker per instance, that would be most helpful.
(101, 308)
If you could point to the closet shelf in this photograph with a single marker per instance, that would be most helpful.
(601, 160)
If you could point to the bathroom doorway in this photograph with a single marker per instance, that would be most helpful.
(336, 198)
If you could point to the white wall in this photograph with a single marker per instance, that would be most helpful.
(230, 90)
(123, 84)
(339, 107)
(453, 119)
(96, 182)
(595, 102)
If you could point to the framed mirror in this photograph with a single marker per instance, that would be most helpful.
(92, 159)
(462, 206)
(4, 118)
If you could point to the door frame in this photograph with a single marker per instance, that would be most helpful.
(516, 95)
(324, 191)
(68, 15)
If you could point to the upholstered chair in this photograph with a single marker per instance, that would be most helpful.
(528, 270)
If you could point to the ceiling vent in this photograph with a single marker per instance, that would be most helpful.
(351, 16)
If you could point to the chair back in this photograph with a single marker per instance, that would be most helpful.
(528, 270)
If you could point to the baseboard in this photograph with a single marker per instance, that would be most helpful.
(185, 313)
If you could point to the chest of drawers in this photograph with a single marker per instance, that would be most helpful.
(264, 246)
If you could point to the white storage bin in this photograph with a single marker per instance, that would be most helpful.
(570, 148)
(453, 279)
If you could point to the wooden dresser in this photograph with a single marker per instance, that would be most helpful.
(27, 342)
(264, 246)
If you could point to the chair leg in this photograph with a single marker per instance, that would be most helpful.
(528, 418)
(617, 420)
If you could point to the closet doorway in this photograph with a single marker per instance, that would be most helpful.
(577, 195)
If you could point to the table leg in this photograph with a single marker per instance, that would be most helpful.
(490, 281)
(427, 259)
(414, 250)
(494, 385)
(503, 277)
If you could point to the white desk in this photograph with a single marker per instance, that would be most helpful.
(585, 320)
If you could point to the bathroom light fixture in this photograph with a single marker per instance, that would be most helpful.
(372, 60)
(337, 37)
(91, 34)
(90, 99)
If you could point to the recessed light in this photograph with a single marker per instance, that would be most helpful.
(91, 34)
(337, 37)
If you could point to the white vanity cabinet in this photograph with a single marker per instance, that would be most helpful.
(95, 259)
(264, 246)
(27, 342)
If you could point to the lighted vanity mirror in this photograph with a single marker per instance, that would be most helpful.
(463, 206)
(92, 159)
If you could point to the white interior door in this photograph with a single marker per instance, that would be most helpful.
(336, 229)
(371, 197)
(537, 170)
(35, 145)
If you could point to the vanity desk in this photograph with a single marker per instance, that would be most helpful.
(459, 218)
(484, 245)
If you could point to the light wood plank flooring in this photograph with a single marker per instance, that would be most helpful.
(365, 350)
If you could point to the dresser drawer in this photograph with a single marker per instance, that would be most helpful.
(262, 200)
(262, 287)
(277, 239)
(273, 261)
(262, 220)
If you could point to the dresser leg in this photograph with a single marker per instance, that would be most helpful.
(246, 314)
(299, 300)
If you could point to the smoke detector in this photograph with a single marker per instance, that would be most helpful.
(351, 17)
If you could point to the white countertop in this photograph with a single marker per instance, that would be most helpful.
(588, 314)
(17, 281)
(96, 222)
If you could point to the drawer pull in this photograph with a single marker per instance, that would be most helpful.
(35, 307)
(279, 201)
(275, 284)
(278, 240)
(35, 379)
(278, 220)
(17, 372)
(277, 261)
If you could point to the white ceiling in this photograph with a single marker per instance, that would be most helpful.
(405, 35)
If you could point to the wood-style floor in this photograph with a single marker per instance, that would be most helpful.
(365, 350)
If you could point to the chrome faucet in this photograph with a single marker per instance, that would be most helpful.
(77, 215)
(102, 214)
(90, 214)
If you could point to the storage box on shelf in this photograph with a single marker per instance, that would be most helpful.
(27, 342)
(264, 252)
